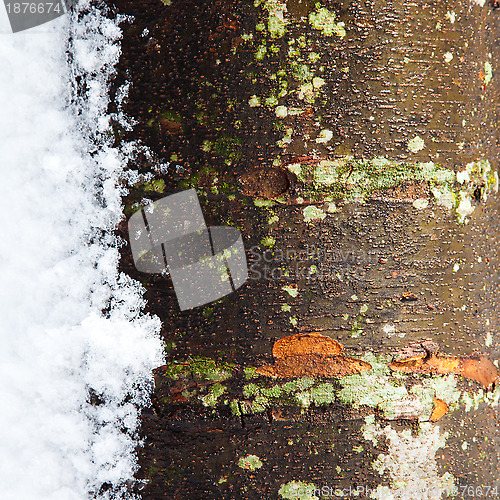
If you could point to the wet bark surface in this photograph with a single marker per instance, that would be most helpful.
(374, 275)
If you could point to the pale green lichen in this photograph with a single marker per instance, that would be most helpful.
(489, 339)
(421, 203)
(318, 82)
(276, 20)
(251, 390)
(472, 401)
(445, 388)
(292, 291)
(299, 384)
(254, 101)
(377, 387)
(250, 462)
(261, 52)
(416, 144)
(296, 169)
(264, 203)
(312, 213)
(271, 101)
(448, 57)
(298, 490)
(410, 463)
(271, 392)
(477, 177)
(326, 21)
(324, 136)
(380, 388)
(358, 179)
(322, 394)
(488, 72)
(281, 111)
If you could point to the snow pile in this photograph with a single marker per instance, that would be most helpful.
(58, 265)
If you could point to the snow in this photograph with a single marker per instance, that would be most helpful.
(58, 266)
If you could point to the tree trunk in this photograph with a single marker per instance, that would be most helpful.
(354, 144)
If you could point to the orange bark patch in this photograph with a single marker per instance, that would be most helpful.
(306, 343)
(440, 409)
(313, 355)
(475, 367)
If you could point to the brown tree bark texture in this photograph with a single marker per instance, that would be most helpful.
(220, 88)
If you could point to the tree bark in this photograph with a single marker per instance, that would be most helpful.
(355, 145)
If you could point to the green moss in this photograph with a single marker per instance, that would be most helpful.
(158, 186)
(250, 372)
(201, 368)
(268, 241)
(216, 390)
(259, 404)
(171, 115)
(227, 146)
(234, 405)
